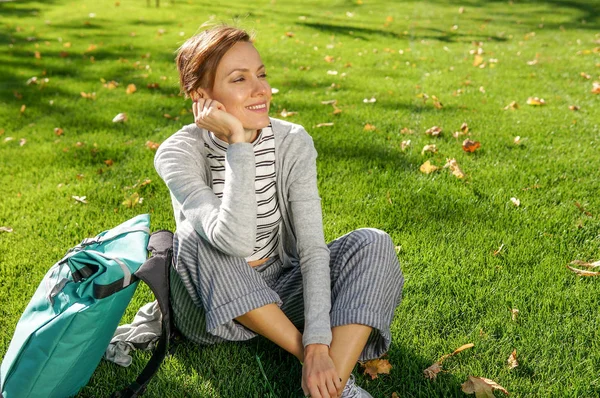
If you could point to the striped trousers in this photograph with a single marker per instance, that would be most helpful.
(209, 289)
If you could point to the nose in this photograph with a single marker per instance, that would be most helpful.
(260, 88)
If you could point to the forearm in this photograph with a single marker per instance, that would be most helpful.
(228, 224)
(270, 322)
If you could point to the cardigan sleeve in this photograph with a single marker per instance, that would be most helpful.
(306, 215)
(229, 224)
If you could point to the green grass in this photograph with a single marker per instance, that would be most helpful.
(447, 229)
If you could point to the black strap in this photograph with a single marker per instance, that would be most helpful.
(155, 273)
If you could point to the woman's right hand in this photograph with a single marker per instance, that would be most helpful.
(211, 115)
(319, 376)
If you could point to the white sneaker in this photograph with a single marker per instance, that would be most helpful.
(351, 390)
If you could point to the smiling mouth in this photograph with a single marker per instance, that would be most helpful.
(257, 107)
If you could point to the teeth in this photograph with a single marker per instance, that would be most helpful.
(257, 106)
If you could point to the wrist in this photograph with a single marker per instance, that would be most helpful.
(315, 349)
(237, 136)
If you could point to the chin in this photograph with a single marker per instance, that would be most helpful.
(257, 124)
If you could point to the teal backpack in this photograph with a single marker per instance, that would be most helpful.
(71, 318)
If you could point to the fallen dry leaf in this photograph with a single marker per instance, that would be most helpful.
(329, 102)
(496, 252)
(289, 34)
(85, 95)
(395, 395)
(22, 141)
(6, 229)
(274, 90)
(582, 209)
(152, 145)
(428, 168)
(145, 182)
(429, 148)
(132, 201)
(459, 349)
(152, 85)
(131, 88)
(515, 201)
(23, 107)
(80, 199)
(436, 102)
(512, 360)
(434, 131)
(370, 101)
(285, 113)
(512, 106)
(329, 59)
(532, 62)
(574, 107)
(454, 168)
(37, 55)
(585, 264)
(325, 124)
(582, 272)
(375, 367)
(517, 140)
(481, 387)
(478, 60)
(464, 128)
(58, 131)
(120, 118)
(514, 314)
(406, 130)
(109, 162)
(31, 81)
(369, 127)
(432, 371)
(470, 146)
(596, 88)
(91, 47)
(337, 110)
(535, 101)
(404, 145)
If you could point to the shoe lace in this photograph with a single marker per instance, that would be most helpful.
(351, 389)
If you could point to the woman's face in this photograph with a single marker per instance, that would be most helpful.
(241, 86)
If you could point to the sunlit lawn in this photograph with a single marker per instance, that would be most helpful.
(469, 254)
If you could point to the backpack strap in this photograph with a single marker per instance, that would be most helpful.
(155, 273)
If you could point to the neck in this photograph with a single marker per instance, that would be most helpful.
(252, 133)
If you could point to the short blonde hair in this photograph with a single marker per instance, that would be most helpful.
(197, 59)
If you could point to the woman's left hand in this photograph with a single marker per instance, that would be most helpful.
(320, 379)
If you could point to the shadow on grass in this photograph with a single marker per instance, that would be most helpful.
(21, 8)
(261, 370)
(589, 11)
(433, 33)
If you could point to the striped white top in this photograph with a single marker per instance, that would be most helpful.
(268, 212)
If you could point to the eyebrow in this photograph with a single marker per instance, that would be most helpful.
(244, 70)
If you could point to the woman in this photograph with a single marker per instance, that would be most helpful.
(250, 255)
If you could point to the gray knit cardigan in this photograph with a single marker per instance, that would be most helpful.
(229, 224)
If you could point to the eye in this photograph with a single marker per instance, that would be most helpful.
(239, 79)
(263, 75)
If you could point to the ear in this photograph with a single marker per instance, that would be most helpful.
(199, 93)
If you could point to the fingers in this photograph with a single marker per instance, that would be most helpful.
(326, 388)
(337, 382)
(331, 388)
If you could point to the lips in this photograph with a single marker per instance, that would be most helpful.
(258, 107)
